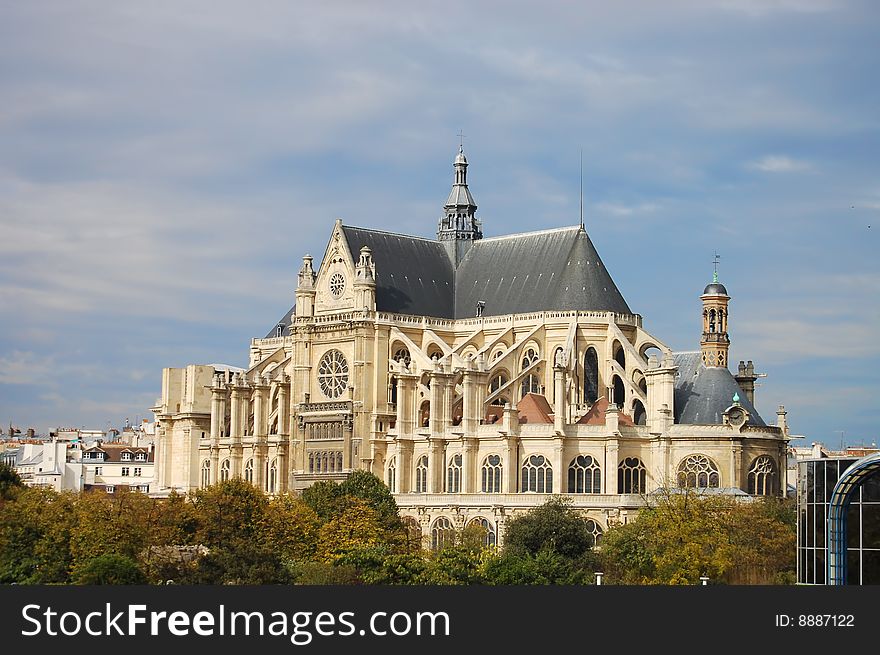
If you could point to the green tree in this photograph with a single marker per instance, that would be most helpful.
(110, 568)
(10, 482)
(368, 487)
(290, 528)
(356, 526)
(554, 526)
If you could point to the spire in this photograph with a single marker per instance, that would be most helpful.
(459, 227)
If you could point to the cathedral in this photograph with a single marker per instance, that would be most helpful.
(477, 377)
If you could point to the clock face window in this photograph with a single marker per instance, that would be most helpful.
(337, 285)
(333, 374)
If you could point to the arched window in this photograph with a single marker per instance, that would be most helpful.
(721, 320)
(453, 475)
(762, 477)
(391, 475)
(498, 381)
(311, 462)
(491, 475)
(619, 355)
(591, 376)
(225, 469)
(401, 356)
(531, 384)
(273, 476)
(530, 356)
(631, 476)
(698, 471)
(339, 459)
(392, 389)
(332, 462)
(442, 534)
(490, 539)
(584, 476)
(425, 414)
(619, 391)
(711, 320)
(249, 471)
(537, 475)
(206, 473)
(422, 475)
(595, 531)
(640, 417)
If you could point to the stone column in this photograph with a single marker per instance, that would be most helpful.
(559, 465)
(474, 382)
(440, 420)
(261, 392)
(218, 397)
(510, 473)
(469, 465)
(404, 465)
(559, 409)
(436, 465)
(406, 404)
(612, 449)
(235, 428)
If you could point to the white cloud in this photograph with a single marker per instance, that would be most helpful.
(780, 164)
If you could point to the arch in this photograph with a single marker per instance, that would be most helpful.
(442, 533)
(425, 414)
(422, 475)
(619, 395)
(433, 348)
(529, 356)
(711, 320)
(391, 475)
(698, 472)
(499, 378)
(273, 476)
(249, 471)
(841, 497)
(497, 351)
(537, 475)
(392, 389)
(617, 354)
(584, 476)
(453, 474)
(225, 470)
(400, 353)
(206, 473)
(591, 376)
(490, 474)
(640, 417)
(490, 538)
(648, 348)
(763, 479)
(631, 476)
(595, 531)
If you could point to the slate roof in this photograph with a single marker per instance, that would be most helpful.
(703, 393)
(535, 271)
(413, 275)
(555, 269)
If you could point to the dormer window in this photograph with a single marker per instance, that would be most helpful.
(126, 457)
(140, 457)
(279, 329)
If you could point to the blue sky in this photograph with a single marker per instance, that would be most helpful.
(164, 166)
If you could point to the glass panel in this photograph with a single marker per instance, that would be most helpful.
(871, 489)
(853, 526)
(853, 567)
(871, 525)
(871, 567)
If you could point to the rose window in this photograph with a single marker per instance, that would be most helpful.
(337, 284)
(333, 374)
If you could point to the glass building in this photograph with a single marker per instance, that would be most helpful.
(816, 480)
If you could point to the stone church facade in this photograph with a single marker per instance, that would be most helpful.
(477, 377)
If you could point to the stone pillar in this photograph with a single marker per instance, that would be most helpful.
(404, 465)
(218, 420)
(469, 474)
(407, 408)
(285, 451)
(235, 428)
(510, 473)
(612, 457)
(436, 465)
(612, 419)
(261, 392)
(559, 408)
(560, 467)
(474, 380)
(660, 380)
(736, 465)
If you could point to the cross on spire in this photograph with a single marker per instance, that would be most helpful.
(715, 261)
(460, 136)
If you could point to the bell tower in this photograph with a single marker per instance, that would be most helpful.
(459, 227)
(715, 342)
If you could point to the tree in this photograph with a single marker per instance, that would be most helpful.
(356, 526)
(554, 526)
(228, 514)
(107, 569)
(368, 487)
(10, 482)
(290, 528)
(684, 535)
